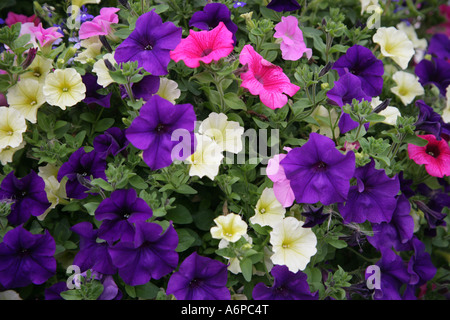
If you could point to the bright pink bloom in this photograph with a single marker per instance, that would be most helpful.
(101, 24)
(205, 46)
(292, 45)
(435, 155)
(265, 79)
(14, 18)
(45, 37)
(281, 186)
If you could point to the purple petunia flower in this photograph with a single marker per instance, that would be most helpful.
(26, 258)
(363, 201)
(93, 254)
(146, 88)
(314, 216)
(361, 62)
(152, 131)
(405, 185)
(112, 142)
(238, 4)
(199, 278)
(119, 212)
(152, 255)
(436, 71)
(78, 169)
(27, 195)
(439, 46)
(393, 274)
(54, 292)
(286, 286)
(431, 121)
(398, 231)
(420, 266)
(284, 5)
(92, 96)
(318, 171)
(210, 17)
(150, 44)
(347, 88)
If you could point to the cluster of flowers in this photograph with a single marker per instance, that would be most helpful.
(338, 183)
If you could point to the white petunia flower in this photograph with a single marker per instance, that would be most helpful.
(55, 190)
(366, 4)
(168, 89)
(6, 154)
(322, 117)
(12, 126)
(26, 96)
(395, 44)
(93, 47)
(408, 86)
(38, 69)
(229, 227)
(446, 113)
(206, 159)
(420, 45)
(227, 134)
(293, 245)
(103, 77)
(391, 113)
(64, 88)
(268, 210)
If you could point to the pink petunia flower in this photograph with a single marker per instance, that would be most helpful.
(265, 79)
(292, 45)
(45, 37)
(205, 46)
(435, 155)
(14, 18)
(281, 186)
(101, 24)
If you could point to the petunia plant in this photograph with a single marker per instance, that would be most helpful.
(224, 150)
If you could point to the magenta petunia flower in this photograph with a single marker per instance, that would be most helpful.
(13, 18)
(101, 24)
(435, 155)
(150, 44)
(265, 79)
(46, 37)
(204, 46)
(292, 45)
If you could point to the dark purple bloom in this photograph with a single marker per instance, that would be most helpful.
(347, 88)
(146, 88)
(150, 44)
(152, 131)
(92, 96)
(210, 17)
(78, 169)
(405, 185)
(27, 195)
(152, 255)
(393, 275)
(434, 218)
(437, 199)
(199, 278)
(286, 286)
(361, 62)
(436, 71)
(398, 231)
(431, 121)
(318, 171)
(93, 254)
(439, 46)
(363, 201)
(420, 266)
(112, 142)
(314, 216)
(119, 212)
(26, 258)
(284, 5)
(54, 292)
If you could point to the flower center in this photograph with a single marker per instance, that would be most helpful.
(24, 252)
(195, 283)
(32, 103)
(10, 133)
(65, 89)
(125, 215)
(148, 47)
(259, 78)
(433, 151)
(320, 166)
(37, 74)
(263, 210)
(206, 52)
(160, 128)
(403, 91)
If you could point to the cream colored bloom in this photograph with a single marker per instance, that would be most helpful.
(103, 77)
(168, 89)
(391, 113)
(367, 3)
(26, 96)
(6, 154)
(395, 44)
(446, 113)
(268, 210)
(408, 86)
(55, 190)
(206, 159)
(12, 126)
(64, 88)
(227, 134)
(321, 115)
(9, 295)
(410, 31)
(229, 227)
(93, 49)
(293, 245)
(38, 69)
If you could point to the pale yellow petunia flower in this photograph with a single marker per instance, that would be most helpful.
(64, 88)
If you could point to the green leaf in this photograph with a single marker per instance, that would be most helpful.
(246, 268)
(146, 291)
(179, 215)
(185, 189)
(232, 101)
(95, 290)
(413, 139)
(185, 240)
(104, 124)
(138, 182)
(338, 244)
(91, 207)
(71, 295)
